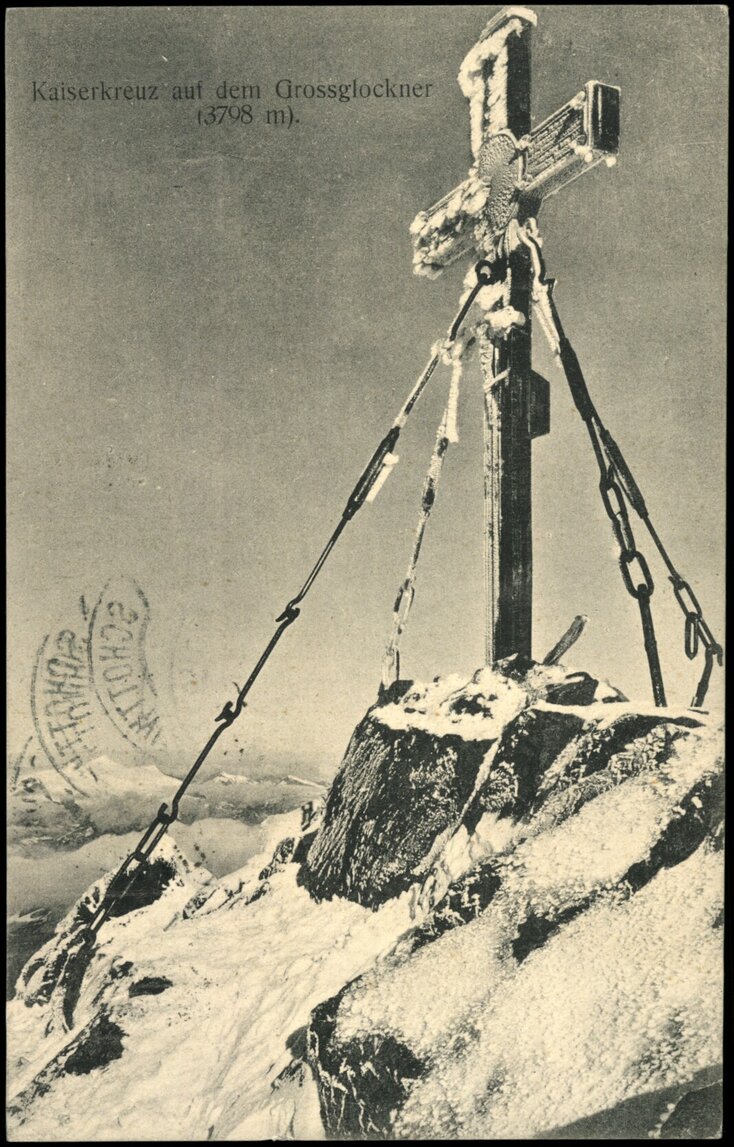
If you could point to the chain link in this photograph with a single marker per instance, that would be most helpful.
(691, 608)
(617, 515)
(690, 636)
(636, 573)
(635, 588)
(615, 475)
(614, 504)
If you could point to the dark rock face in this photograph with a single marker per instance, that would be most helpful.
(98, 1044)
(528, 747)
(400, 788)
(25, 937)
(150, 986)
(283, 853)
(697, 1115)
(397, 791)
(58, 970)
(698, 818)
(148, 886)
(466, 899)
(623, 750)
(362, 1082)
(74, 947)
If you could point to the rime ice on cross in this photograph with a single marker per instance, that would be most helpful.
(514, 169)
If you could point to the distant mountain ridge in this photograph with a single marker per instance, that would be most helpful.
(66, 808)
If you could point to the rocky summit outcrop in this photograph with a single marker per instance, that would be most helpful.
(505, 924)
(428, 759)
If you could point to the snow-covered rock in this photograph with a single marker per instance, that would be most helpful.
(69, 825)
(577, 967)
(506, 924)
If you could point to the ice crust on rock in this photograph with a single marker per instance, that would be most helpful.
(556, 979)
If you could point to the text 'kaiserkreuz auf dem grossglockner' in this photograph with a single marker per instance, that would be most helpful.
(101, 91)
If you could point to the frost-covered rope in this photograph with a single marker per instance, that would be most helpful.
(452, 354)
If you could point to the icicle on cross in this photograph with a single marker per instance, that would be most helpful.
(514, 169)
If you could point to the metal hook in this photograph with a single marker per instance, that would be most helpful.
(484, 270)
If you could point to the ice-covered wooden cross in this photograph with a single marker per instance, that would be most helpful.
(514, 169)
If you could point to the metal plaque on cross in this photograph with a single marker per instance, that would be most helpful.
(515, 168)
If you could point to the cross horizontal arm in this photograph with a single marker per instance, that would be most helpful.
(574, 139)
(442, 234)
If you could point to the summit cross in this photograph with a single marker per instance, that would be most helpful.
(515, 168)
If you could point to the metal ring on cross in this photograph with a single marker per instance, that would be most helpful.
(486, 272)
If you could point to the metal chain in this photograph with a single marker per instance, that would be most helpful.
(617, 478)
(635, 571)
(696, 628)
(132, 866)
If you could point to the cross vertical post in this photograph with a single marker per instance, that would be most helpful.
(508, 381)
(515, 168)
(506, 370)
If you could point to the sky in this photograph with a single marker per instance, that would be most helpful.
(211, 327)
